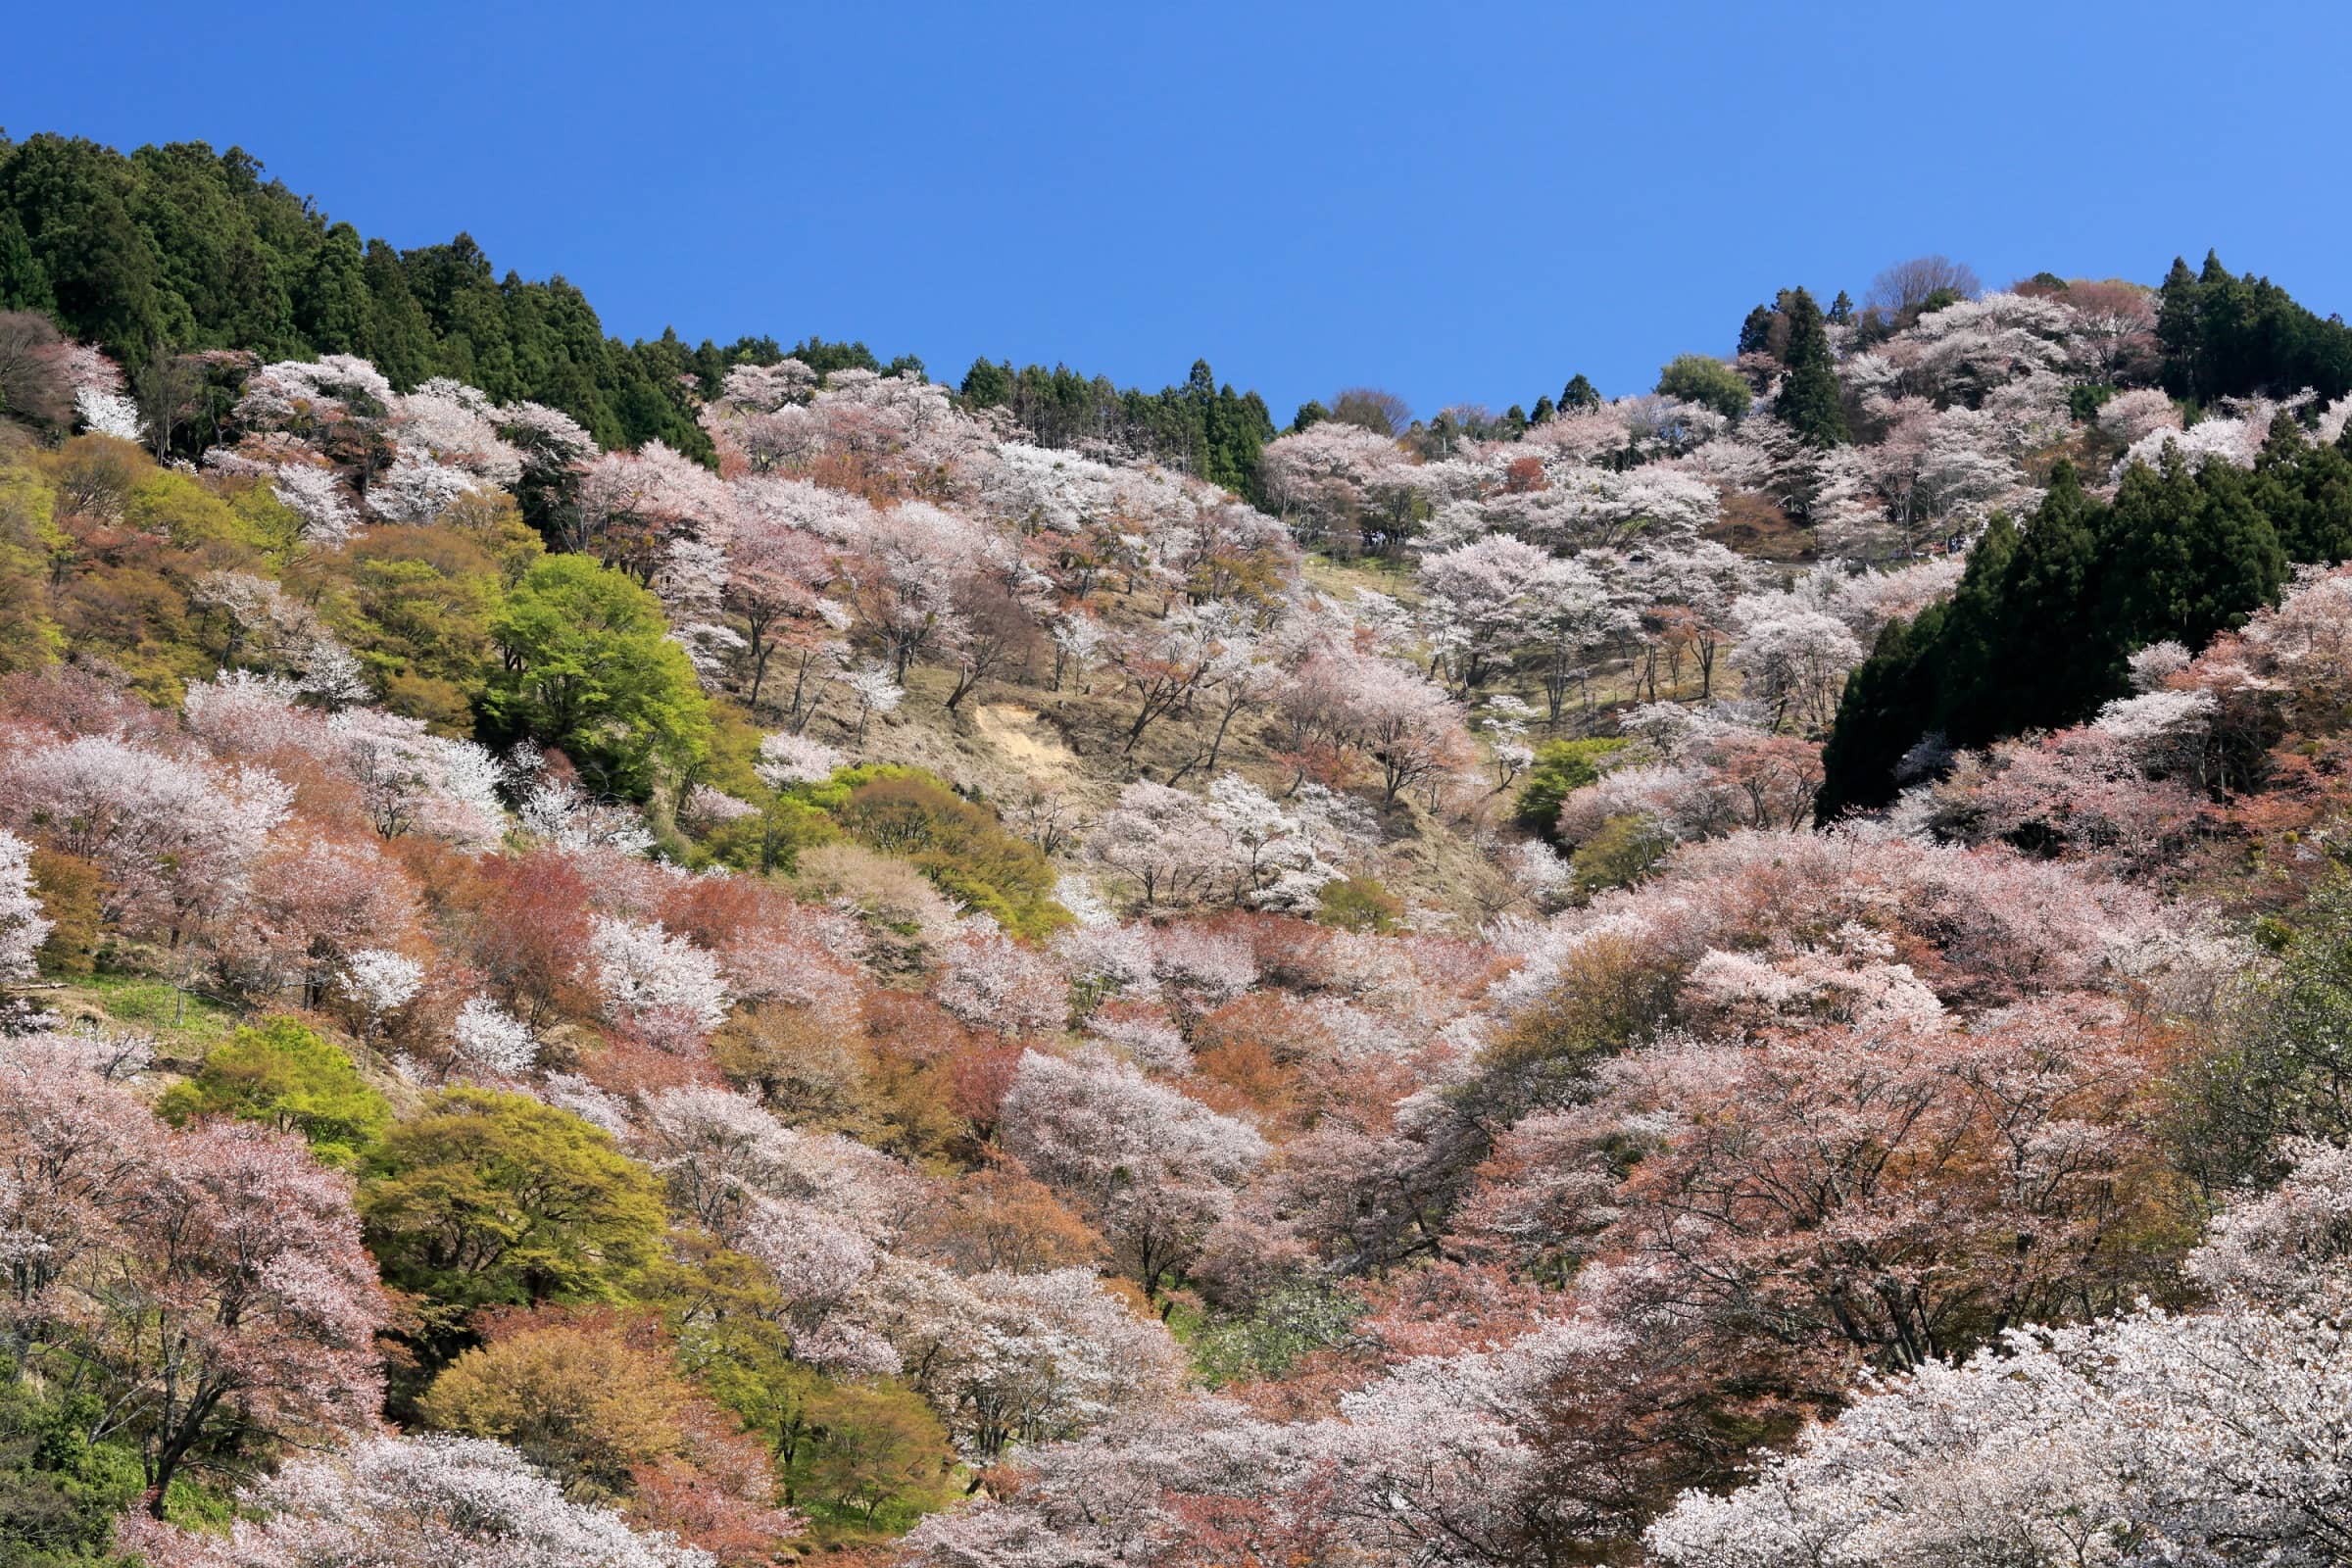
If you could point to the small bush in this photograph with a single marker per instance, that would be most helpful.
(1359, 903)
(1621, 854)
(956, 843)
(1560, 769)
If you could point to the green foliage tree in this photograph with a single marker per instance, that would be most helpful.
(2282, 1066)
(1580, 393)
(59, 1492)
(29, 636)
(1708, 382)
(418, 607)
(586, 665)
(957, 844)
(1621, 851)
(2036, 634)
(1358, 903)
(874, 1453)
(1561, 767)
(1811, 402)
(285, 1075)
(586, 1402)
(1285, 1325)
(2224, 335)
(871, 1455)
(479, 1197)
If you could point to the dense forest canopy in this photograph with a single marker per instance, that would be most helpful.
(616, 954)
(176, 250)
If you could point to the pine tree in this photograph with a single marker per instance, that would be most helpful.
(1881, 717)
(1811, 402)
(402, 338)
(2188, 554)
(988, 386)
(333, 308)
(23, 281)
(2306, 491)
(2052, 587)
(1580, 393)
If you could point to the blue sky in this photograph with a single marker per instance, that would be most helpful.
(1459, 204)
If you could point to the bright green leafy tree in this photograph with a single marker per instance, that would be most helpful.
(285, 1075)
(480, 1198)
(586, 664)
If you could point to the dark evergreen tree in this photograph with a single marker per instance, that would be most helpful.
(2052, 581)
(23, 281)
(1881, 717)
(2231, 335)
(399, 336)
(1811, 402)
(987, 384)
(1580, 393)
(2306, 491)
(2177, 329)
(333, 308)
(2037, 633)
(2188, 554)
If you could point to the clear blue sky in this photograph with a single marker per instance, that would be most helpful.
(1457, 203)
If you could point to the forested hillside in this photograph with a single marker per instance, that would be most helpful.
(614, 953)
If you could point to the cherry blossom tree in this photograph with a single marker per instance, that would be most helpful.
(377, 983)
(315, 496)
(1477, 596)
(178, 839)
(76, 1167)
(659, 987)
(632, 505)
(491, 1041)
(414, 1502)
(1407, 727)
(1154, 1169)
(1166, 662)
(415, 781)
(786, 759)
(991, 981)
(240, 1307)
(2209, 1436)
(1793, 656)
(872, 690)
(100, 406)
(1023, 1359)
(1939, 1186)
(1163, 838)
(23, 926)
(779, 563)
